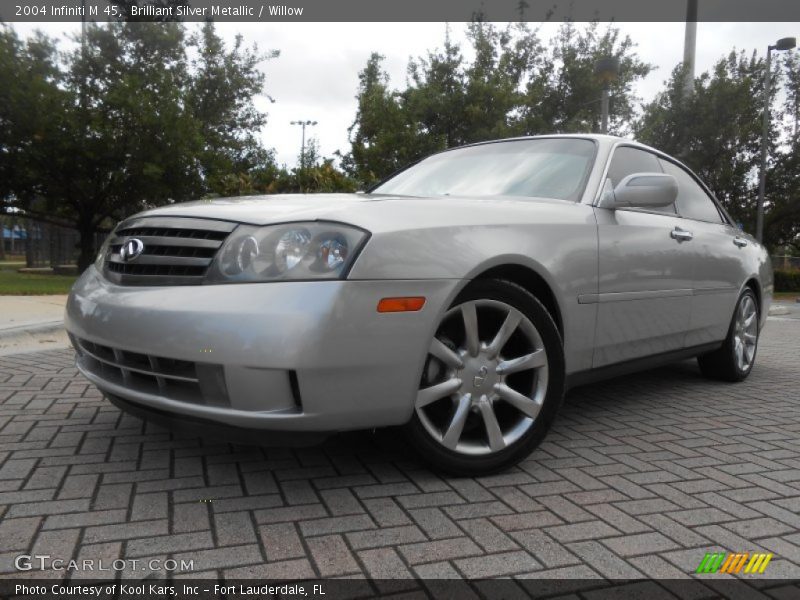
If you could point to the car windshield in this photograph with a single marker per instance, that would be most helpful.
(543, 167)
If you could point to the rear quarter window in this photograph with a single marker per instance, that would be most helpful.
(693, 201)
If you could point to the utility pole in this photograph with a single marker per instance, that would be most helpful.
(689, 48)
(604, 110)
(606, 70)
(303, 124)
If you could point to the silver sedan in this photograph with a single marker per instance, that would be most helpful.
(460, 298)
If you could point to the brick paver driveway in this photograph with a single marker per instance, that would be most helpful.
(640, 477)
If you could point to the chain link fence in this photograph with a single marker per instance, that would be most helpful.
(41, 244)
(786, 263)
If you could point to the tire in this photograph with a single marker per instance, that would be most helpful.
(478, 411)
(735, 359)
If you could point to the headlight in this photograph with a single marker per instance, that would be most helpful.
(293, 251)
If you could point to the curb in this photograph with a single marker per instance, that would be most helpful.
(32, 329)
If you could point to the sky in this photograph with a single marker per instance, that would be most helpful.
(316, 76)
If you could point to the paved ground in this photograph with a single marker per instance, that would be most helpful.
(22, 311)
(29, 323)
(640, 478)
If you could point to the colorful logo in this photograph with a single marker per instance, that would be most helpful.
(723, 562)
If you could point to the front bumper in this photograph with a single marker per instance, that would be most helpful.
(292, 356)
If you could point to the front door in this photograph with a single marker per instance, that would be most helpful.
(645, 274)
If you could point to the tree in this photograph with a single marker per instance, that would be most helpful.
(564, 94)
(791, 108)
(782, 217)
(512, 86)
(126, 121)
(29, 103)
(383, 137)
(505, 60)
(318, 173)
(717, 130)
(436, 97)
(220, 97)
(782, 220)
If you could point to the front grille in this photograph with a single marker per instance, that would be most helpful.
(176, 251)
(157, 270)
(181, 380)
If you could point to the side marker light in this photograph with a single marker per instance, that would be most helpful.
(404, 304)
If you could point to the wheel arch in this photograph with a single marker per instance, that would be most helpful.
(529, 279)
(754, 285)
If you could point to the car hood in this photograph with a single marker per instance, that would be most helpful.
(263, 210)
(374, 212)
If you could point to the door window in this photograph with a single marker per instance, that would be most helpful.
(693, 201)
(627, 161)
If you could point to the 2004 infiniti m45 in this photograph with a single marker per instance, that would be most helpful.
(459, 298)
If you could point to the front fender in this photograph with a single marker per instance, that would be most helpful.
(560, 247)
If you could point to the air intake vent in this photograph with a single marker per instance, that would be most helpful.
(181, 380)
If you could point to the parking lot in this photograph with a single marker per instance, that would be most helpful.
(640, 477)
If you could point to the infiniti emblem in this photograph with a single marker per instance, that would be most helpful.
(131, 249)
(480, 377)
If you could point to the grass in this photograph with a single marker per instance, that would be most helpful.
(13, 283)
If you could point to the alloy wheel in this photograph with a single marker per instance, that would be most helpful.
(745, 336)
(485, 378)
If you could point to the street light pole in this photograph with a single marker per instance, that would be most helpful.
(303, 124)
(782, 44)
(762, 175)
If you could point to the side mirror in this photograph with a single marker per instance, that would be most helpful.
(642, 190)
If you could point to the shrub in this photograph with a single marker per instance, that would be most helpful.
(787, 281)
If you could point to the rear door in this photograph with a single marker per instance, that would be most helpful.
(716, 248)
(645, 273)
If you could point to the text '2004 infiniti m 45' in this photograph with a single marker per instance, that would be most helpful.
(459, 298)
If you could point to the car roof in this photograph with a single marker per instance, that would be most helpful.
(601, 138)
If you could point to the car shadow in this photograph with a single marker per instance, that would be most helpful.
(380, 448)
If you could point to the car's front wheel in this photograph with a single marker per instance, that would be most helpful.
(492, 382)
(735, 359)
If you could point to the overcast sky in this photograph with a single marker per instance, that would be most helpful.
(316, 76)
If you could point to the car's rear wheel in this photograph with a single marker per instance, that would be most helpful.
(492, 381)
(735, 359)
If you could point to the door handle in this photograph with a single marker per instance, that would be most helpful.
(681, 235)
(740, 241)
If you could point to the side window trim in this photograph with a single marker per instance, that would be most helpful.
(604, 177)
